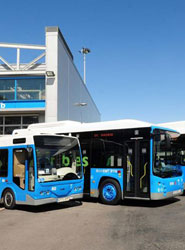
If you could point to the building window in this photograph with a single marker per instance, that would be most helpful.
(12, 120)
(10, 123)
(7, 89)
(30, 89)
(17, 89)
(27, 120)
(9, 130)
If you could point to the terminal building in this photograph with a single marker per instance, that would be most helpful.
(49, 88)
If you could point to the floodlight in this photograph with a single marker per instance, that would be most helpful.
(50, 73)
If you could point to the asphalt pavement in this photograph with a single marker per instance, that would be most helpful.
(89, 225)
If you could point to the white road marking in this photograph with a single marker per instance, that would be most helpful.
(2, 208)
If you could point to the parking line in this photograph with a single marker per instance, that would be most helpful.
(2, 208)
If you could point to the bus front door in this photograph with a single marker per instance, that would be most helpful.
(19, 173)
(137, 169)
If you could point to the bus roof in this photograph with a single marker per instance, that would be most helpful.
(22, 137)
(8, 140)
(73, 126)
(179, 126)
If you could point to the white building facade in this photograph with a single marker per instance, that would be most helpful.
(47, 89)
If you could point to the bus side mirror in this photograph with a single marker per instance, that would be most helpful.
(29, 153)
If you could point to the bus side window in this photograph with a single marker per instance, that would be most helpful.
(106, 153)
(3, 162)
(113, 153)
(97, 158)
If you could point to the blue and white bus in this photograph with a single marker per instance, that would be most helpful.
(37, 169)
(126, 159)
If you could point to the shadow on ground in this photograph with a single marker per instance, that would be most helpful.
(87, 199)
(145, 203)
(48, 207)
(137, 203)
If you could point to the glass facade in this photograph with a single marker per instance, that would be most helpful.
(20, 92)
(9, 123)
(26, 89)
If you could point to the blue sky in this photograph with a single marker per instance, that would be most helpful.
(136, 68)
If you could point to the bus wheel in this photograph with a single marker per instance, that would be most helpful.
(110, 192)
(9, 199)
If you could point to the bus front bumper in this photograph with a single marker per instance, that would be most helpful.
(161, 196)
(37, 202)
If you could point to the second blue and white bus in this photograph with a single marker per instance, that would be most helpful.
(126, 159)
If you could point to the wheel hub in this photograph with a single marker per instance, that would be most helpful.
(109, 192)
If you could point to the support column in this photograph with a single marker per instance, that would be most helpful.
(51, 82)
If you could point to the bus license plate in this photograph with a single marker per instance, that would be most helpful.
(177, 191)
(63, 199)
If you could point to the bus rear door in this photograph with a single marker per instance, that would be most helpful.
(137, 169)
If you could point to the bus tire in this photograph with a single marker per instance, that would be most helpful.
(110, 192)
(8, 199)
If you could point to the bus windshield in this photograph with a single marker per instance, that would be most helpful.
(58, 158)
(165, 157)
(179, 146)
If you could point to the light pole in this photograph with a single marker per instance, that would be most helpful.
(80, 104)
(84, 51)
